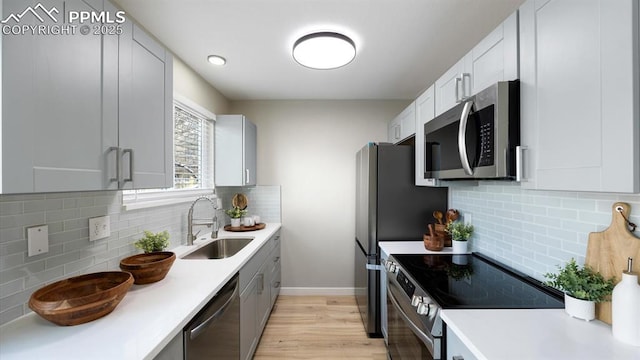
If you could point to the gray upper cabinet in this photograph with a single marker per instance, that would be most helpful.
(76, 109)
(54, 129)
(145, 111)
(235, 151)
(403, 125)
(493, 59)
(580, 95)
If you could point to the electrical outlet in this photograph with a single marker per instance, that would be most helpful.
(467, 218)
(99, 228)
(38, 240)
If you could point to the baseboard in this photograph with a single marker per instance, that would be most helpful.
(307, 291)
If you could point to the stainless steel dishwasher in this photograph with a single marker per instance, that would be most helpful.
(214, 333)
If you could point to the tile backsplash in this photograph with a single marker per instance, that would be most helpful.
(533, 231)
(70, 251)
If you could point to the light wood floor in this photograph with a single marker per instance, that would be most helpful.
(317, 327)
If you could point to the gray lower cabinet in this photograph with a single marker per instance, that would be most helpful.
(77, 109)
(174, 349)
(260, 286)
(235, 151)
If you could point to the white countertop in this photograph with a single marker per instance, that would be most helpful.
(410, 247)
(547, 334)
(146, 319)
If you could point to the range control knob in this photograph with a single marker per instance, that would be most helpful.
(423, 309)
(416, 300)
(390, 266)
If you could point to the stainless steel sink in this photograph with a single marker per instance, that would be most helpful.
(219, 249)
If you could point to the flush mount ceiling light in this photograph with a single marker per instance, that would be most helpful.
(216, 60)
(324, 50)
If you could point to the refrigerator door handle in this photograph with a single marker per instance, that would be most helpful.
(374, 267)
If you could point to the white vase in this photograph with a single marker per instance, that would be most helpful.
(625, 313)
(235, 222)
(579, 309)
(459, 247)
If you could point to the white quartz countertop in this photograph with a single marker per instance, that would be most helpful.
(146, 319)
(547, 334)
(410, 247)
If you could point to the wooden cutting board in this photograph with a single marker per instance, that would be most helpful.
(607, 252)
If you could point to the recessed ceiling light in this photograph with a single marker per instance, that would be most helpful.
(324, 50)
(216, 60)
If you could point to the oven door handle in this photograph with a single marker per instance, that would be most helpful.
(462, 144)
(426, 339)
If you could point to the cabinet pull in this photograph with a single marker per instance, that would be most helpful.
(397, 132)
(519, 165)
(117, 150)
(130, 152)
(462, 145)
(276, 284)
(261, 284)
(277, 258)
(246, 173)
(457, 86)
(466, 92)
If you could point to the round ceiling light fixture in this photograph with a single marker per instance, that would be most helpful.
(216, 60)
(324, 50)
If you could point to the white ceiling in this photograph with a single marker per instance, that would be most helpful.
(403, 45)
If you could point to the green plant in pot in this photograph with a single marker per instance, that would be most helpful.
(460, 234)
(152, 242)
(235, 214)
(583, 287)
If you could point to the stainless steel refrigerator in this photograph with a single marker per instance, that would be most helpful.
(389, 207)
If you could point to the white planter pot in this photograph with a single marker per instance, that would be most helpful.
(235, 222)
(579, 309)
(459, 247)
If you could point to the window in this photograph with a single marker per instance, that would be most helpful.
(193, 134)
(192, 149)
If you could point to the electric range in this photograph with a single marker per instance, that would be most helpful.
(419, 286)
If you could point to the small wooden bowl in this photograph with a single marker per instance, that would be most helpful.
(80, 299)
(433, 243)
(149, 267)
(440, 230)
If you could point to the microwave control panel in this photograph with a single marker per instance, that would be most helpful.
(486, 136)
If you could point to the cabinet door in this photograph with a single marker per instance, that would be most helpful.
(408, 121)
(250, 141)
(249, 320)
(579, 91)
(449, 88)
(235, 151)
(264, 294)
(425, 112)
(393, 130)
(495, 58)
(145, 113)
(55, 135)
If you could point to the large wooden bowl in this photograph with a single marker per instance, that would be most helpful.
(149, 267)
(81, 299)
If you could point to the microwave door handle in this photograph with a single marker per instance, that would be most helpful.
(462, 145)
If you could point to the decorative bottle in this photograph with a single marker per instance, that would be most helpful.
(625, 308)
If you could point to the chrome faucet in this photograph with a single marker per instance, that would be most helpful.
(209, 223)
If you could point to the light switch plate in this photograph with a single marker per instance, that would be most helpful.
(38, 240)
(99, 228)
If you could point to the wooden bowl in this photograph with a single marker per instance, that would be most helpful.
(149, 267)
(81, 299)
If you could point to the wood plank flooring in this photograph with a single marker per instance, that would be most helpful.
(317, 327)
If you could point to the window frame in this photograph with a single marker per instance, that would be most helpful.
(132, 199)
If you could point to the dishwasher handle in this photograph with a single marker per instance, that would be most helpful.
(201, 327)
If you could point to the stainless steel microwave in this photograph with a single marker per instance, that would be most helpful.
(477, 138)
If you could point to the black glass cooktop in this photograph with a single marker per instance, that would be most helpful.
(476, 282)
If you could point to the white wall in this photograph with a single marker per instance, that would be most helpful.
(309, 147)
(189, 84)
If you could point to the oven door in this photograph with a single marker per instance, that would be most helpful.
(408, 337)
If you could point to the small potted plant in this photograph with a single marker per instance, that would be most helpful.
(460, 234)
(236, 214)
(583, 287)
(155, 263)
(153, 242)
